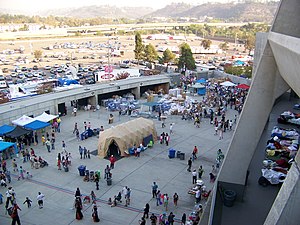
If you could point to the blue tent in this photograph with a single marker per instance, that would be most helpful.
(36, 125)
(4, 145)
(6, 129)
(201, 81)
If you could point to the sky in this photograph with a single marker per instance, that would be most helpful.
(35, 5)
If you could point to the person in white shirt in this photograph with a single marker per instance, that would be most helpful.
(40, 198)
(194, 174)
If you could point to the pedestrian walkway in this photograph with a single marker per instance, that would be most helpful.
(136, 173)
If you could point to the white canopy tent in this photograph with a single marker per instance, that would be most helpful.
(228, 84)
(23, 120)
(45, 117)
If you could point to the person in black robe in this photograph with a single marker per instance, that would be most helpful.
(78, 207)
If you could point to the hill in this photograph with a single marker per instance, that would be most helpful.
(243, 12)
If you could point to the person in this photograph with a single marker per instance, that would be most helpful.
(127, 197)
(106, 172)
(175, 199)
(63, 144)
(212, 177)
(154, 190)
(93, 196)
(171, 218)
(15, 215)
(142, 221)
(112, 160)
(84, 152)
(77, 193)
(97, 178)
(9, 196)
(75, 128)
(43, 139)
(78, 207)
(84, 124)
(95, 215)
(158, 198)
(183, 219)
(189, 165)
(194, 174)
(171, 128)
(153, 219)
(21, 173)
(194, 153)
(200, 172)
(198, 196)
(167, 139)
(14, 165)
(75, 111)
(80, 151)
(40, 198)
(48, 145)
(166, 201)
(28, 202)
(146, 211)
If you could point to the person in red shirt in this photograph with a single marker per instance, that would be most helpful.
(195, 151)
(15, 215)
(112, 160)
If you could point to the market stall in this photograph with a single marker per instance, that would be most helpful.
(45, 117)
(23, 120)
(36, 125)
(288, 117)
(17, 132)
(6, 129)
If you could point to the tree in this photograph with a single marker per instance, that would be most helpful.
(186, 59)
(224, 46)
(168, 56)
(38, 54)
(206, 43)
(150, 54)
(250, 43)
(139, 47)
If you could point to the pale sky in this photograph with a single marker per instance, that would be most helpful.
(34, 5)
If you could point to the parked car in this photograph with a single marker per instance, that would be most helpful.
(47, 67)
(35, 67)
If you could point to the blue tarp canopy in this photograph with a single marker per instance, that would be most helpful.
(36, 125)
(6, 129)
(201, 81)
(4, 145)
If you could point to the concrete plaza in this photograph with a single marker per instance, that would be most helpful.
(137, 173)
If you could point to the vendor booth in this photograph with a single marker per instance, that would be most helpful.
(23, 120)
(17, 132)
(45, 117)
(4, 146)
(117, 140)
(5, 129)
(36, 125)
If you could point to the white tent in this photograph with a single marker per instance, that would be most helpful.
(227, 84)
(23, 120)
(45, 117)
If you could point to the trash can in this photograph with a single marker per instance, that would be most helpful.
(229, 198)
(109, 181)
(182, 156)
(66, 169)
(92, 173)
(172, 153)
(178, 154)
(81, 170)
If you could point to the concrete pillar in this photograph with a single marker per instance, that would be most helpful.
(137, 92)
(266, 87)
(93, 100)
(285, 209)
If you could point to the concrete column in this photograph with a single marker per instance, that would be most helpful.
(285, 209)
(137, 92)
(266, 87)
